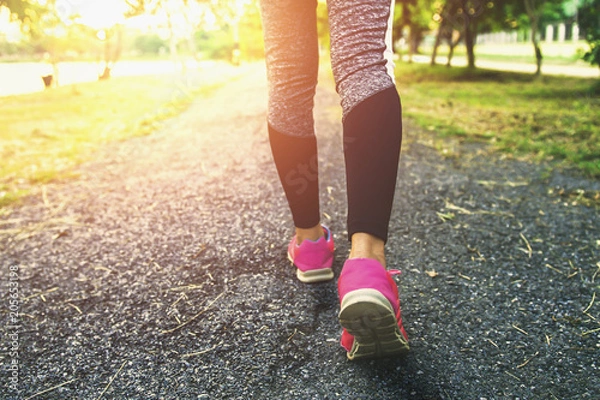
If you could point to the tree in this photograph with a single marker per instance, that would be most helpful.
(451, 32)
(113, 44)
(414, 17)
(589, 20)
(534, 9)
(462, 16)
(232, 16)
(177, 17)
(533, 14)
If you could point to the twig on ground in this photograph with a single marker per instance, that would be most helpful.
(294, 334)
(591, 303)
(41, 294)
(509, 374)
(166, 331)
(185, 288)
(75, 307)
(50, 389)
(577, 270)
(529, 359)
(111, 380)
(507, 183)
(199, 252)
(262, 328)
(529, 249)
(198, 353)
(181, 297)
(462, 210)
(596, 273)
(554, 269)
(26, 232)
(520, 330)
(454, 207)
(590, 332)
(445, 216)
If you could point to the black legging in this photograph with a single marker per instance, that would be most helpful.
(370, 103)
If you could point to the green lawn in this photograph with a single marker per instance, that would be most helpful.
(543, 118)
(44, 135)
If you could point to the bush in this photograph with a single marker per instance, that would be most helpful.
(215, 45)
(589, 19)
(149, 44)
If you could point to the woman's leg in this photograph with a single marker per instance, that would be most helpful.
(369, 302)
(291, 47)
(371, 118)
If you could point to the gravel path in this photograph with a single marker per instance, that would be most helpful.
(161, 272)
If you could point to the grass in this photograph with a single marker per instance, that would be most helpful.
(541, 118)
(44, 135)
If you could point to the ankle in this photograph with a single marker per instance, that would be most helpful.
(313, 234)
(365, 245)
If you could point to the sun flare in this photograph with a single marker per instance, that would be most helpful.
(96, 14)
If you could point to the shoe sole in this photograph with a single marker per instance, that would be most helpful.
(368, 316)
(314, 275)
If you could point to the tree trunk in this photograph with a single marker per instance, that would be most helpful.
(191, 40)
(55, 77)
(192, 46)
(534, 15)
(438, 39)
(538, 57)
(404, 22)
(172, 39)
(113, 45)
(107, 65)
(470, 42)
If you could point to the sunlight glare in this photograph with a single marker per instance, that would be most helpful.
(96, 14)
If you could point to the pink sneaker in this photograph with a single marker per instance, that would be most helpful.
(370, 311)
(313, 259)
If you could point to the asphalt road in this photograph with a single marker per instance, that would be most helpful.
(161, 272)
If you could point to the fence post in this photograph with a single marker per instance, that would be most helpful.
(561, 32)
(549, 33)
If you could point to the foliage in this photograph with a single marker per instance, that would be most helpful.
(251, 39)
(215, 44)
(589, 20)
(28, 12)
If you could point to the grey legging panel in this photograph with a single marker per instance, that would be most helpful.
(360, 40)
